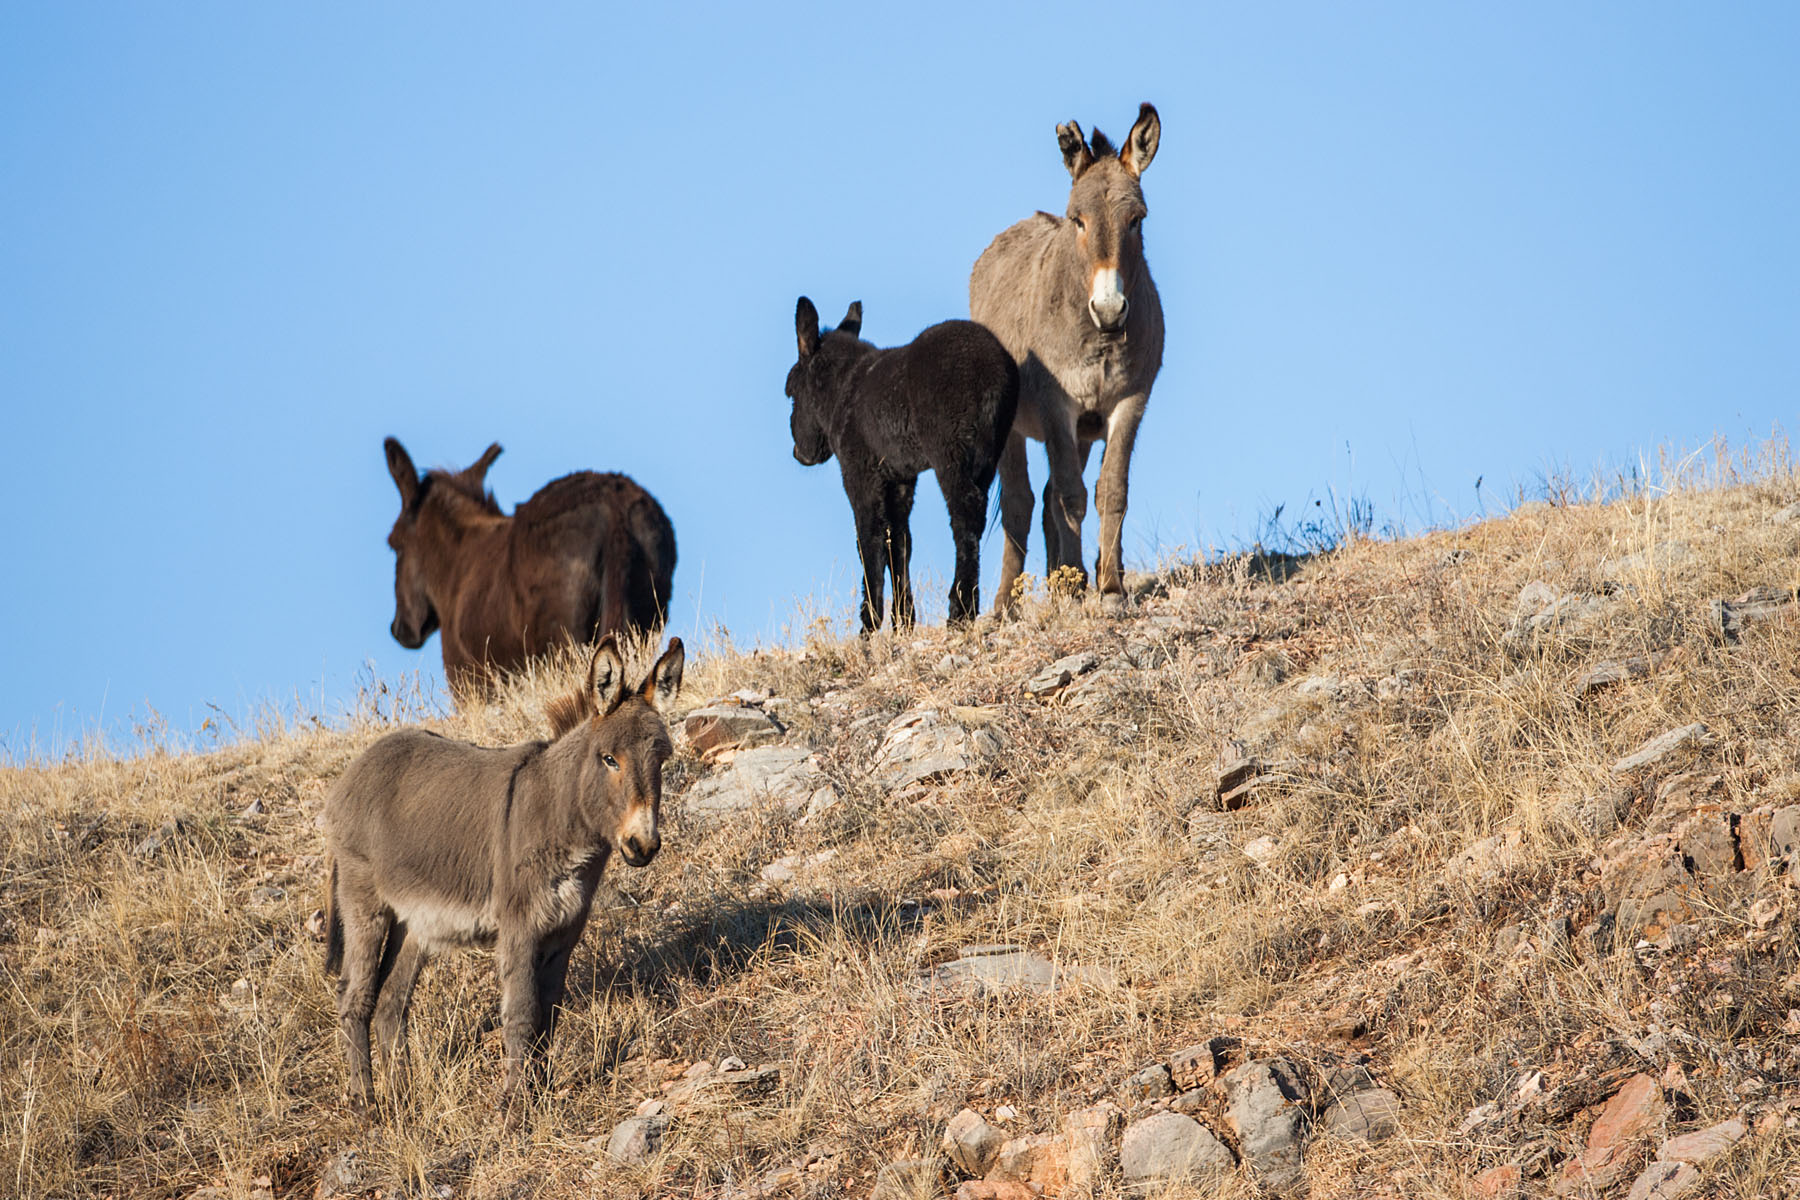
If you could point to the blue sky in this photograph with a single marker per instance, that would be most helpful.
(1400, 247)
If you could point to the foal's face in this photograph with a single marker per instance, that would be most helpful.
(811, 446)
(622, 776)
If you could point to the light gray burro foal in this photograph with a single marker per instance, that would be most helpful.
(1071, 298)
(434, 842)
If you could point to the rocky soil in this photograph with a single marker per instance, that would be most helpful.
(1457, 866)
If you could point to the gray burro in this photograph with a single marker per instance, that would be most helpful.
(434, 842)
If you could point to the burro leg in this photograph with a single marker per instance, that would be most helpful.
(1065, 501)
(1015, 518)
(1110, 493)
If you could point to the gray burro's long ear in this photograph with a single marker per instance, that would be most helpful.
(806, 325)
(1076, 155)
(664, 679)
(400, 466)
(1140, 143)
(606, 675)
(852, 322)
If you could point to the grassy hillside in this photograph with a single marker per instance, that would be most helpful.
(1356, 811)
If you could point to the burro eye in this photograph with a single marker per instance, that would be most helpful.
(610, 761)
(1080, 224)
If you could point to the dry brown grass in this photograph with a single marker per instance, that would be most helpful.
(134, 1067)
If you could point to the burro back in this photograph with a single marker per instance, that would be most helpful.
(1072, 300)
(434, 842)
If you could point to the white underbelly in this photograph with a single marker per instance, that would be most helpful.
(438, 924)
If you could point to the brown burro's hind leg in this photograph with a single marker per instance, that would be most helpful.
(359, 981)
(400, 963)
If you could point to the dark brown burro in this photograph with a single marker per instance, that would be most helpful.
(943, 403)
(591, 554)
(433, 843)
(1072, 299)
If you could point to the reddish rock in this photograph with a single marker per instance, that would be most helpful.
(1495, 1183)
(997, 1189)
(1041, 1159)
(1664, 1181)
(971, 1142)
(1705, 1144)
(1631, 1114)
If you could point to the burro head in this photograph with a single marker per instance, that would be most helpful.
(813, 378)
(618, 743)
(1106, 212)
(414, 615)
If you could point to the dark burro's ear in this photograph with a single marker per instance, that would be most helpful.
(1076, 155)
(852, 322)
(806, 325)
(664, 679)
(400, 466)
(1140, 143)
(606, 675)
(476, 473)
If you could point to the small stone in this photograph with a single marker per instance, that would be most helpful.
(1496, 1183)
(1151, 1083)
(1664, 1181)
(1263, 1103)
(731, 1063)
(1041, 1159)
(1090, 1134)
(995, 1189)
(315, 924)
(1262, 850)
(722, 725)
(1765, 912)
(242, 991)
(266, 894)
(1005, 1113)
(1196, 1066)
(154, 842)
(1059, 673)
(1369, 1115)
(636, 1139)
(1662, 746)
(1705, 1144)
(1168, 1147)
(652, 1108)
(971, 1142)
(253, 809)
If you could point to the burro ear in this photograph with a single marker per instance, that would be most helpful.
(665, 677)
(852, 322)
(1140, 143)
(606, 675)
(400, 466)
(1076, 155)
(806, 325)
(476, 473)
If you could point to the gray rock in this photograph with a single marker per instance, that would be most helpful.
(1569, 613)
(1058, 674)
(1368, 1115)
(636, 1140)
(910, 1179)
(783, 773)
(1662, 746)
(723, 724)
(1787, 515)
(1151, 1083)
(972, 1143)
(790, 866)
(1263, 1101)
(987, 969)
(1612, 671)
(1730, 617)
(1168, 1147)
(924, 744)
